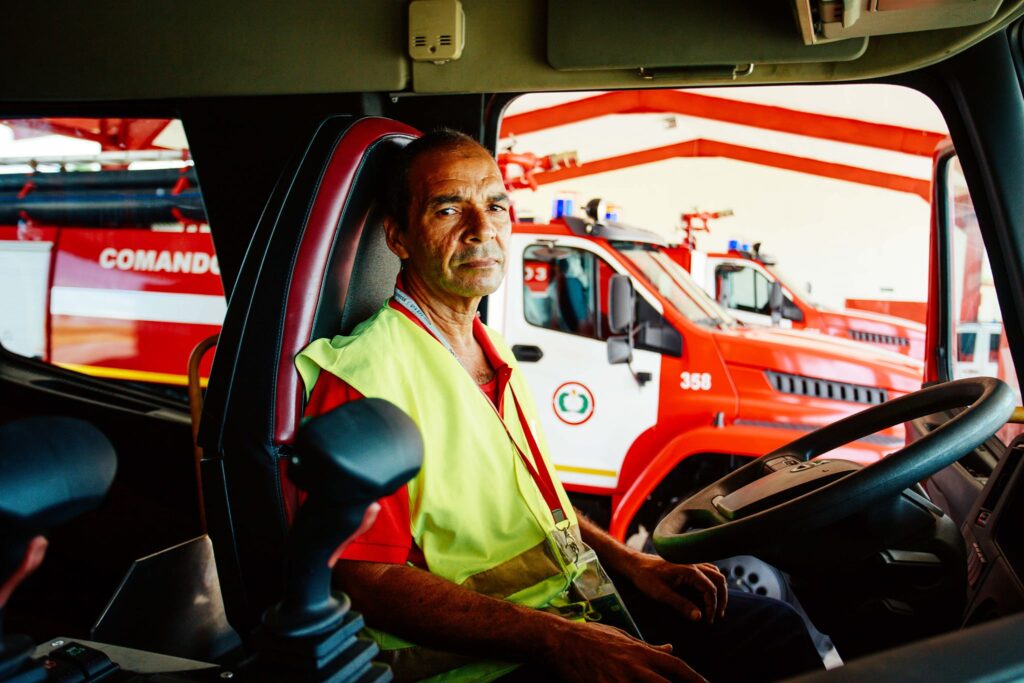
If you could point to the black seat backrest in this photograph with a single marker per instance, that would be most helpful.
(317, 265)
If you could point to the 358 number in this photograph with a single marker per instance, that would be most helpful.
(695, 381)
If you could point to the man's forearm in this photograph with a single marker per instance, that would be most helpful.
(614, 555)
(428, 610)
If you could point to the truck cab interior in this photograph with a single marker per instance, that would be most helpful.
(294, 114)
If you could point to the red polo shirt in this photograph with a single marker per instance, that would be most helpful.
(389, 540)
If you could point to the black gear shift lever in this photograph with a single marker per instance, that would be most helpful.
(52, 469)
(344, 460)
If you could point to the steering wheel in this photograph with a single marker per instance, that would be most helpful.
(786, 492)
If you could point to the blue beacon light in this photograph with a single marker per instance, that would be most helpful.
(561, 208)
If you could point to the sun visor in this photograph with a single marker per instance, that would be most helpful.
(824, 20)
(695, 34)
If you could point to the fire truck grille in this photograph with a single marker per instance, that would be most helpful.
(875, 338)
(823, 388)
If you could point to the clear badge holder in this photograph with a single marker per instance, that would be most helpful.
(593, 585)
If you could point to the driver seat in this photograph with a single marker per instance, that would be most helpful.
(317, 265)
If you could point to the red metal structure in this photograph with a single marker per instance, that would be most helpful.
(111, 133)
(529, 165)
(766, 117)
(714, 148)
(780, 119)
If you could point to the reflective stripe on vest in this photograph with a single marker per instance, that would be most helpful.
(473, 528)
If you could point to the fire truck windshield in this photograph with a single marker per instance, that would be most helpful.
(671, 281)
(800, 292)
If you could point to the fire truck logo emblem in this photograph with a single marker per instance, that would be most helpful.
(573, 403)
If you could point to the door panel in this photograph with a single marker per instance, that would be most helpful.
(591, 411)
(966, 335)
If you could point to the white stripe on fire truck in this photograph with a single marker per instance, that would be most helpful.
(120, 304)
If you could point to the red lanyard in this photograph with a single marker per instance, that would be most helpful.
(537, 469)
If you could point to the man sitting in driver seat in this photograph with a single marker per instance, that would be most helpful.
(480, 568)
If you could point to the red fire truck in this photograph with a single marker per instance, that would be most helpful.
(750, 285)
(695, 391)
(110, 273)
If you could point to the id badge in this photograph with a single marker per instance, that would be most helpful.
(593, 585)
(570, 543)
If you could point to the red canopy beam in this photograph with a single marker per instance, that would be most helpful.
(824, 126)
(713, 148)
(112, 134)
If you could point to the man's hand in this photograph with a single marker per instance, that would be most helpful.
(595, 653)
(669, 583)
(659, 579)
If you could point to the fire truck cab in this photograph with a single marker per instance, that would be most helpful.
(751, 286)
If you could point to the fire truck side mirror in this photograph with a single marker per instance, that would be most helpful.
(619, 350)
(775, 299)
(791, 312)
(621, 306)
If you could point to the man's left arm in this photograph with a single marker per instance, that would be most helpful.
(663, 581)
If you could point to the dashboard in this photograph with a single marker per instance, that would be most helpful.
(994, 534)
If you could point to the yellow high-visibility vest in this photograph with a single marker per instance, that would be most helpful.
(475, 511)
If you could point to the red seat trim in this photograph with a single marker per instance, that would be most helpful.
(311, 262)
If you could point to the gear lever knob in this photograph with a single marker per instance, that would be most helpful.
(344, 460)
(52, 469)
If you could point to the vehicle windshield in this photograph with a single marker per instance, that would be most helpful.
(795, 289)
(675, 284)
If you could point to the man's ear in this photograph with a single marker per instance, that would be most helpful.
(395, 238)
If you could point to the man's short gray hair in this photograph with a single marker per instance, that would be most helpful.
(399, 194)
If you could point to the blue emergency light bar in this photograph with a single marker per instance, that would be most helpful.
(562, 207)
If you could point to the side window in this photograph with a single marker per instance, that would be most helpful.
(761, 292)
(562, 289)
(742, 288)
(106, 262)
(993, 348)
(981, 348)
(965, 343)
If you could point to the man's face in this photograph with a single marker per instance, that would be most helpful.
(458, 228)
